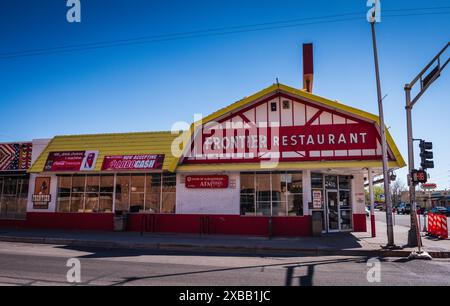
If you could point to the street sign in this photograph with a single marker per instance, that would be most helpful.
(429, 186)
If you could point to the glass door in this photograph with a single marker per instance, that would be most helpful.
(332, 211)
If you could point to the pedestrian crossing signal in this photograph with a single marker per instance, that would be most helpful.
(419, 176)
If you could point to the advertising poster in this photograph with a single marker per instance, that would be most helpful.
(41, 196)
(133, 162)
(317, 199)
(71, 161)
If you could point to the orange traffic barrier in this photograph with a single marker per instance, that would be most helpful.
(437, 226)
(438, 223)
(444, 229)
(430, 227)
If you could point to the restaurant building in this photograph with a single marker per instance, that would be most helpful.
(260, 166)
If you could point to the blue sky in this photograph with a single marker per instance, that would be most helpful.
(149, 86)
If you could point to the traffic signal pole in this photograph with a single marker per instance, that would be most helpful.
(414, 232)
(425, 82)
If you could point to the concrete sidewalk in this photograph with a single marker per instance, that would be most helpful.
(351, 244)
(401, 238)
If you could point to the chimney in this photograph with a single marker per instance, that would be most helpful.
(308, 67)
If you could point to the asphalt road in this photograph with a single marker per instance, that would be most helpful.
(402, 220)
(31, 264)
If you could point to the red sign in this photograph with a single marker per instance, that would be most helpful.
(429, 186)
(285, 142)
(64, 161)
(132, 162)
(206, 181)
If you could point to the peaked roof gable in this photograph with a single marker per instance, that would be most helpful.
(230, 110)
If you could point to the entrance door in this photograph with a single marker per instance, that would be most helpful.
(332, 208)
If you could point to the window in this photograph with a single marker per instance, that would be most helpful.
(344, 182)
(271, 194)
(13, 197)
(279, 194)
(248, 194)
(331, 182)
(85, 193)
(294, 185)
(137, 192)
(263, 194)
(106, 193)
(122, 193)
(169, 183)
(153, 193)
(273, 106)
(92, 193)
(317, 180)
(286, 104)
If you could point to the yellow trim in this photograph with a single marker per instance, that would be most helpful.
(400, 162)
(284, 166)
(110, 144)
(162, 142)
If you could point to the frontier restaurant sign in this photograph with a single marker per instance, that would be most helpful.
(294, 141)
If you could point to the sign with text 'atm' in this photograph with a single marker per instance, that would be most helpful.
(207, 181)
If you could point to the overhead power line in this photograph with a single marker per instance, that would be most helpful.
(217, 32)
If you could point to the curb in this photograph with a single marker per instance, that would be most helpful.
(256, 250)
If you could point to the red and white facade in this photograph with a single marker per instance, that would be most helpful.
(261, 166)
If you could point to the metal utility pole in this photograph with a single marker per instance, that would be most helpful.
(387, 193)
(425, 82)
(372, 203)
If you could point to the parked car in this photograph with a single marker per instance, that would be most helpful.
(439, 210)
(367, 212)
(448, 211)
(404, 209)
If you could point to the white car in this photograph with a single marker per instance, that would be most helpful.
(367, 212)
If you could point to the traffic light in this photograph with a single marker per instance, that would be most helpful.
(426, 156)
(419, 176)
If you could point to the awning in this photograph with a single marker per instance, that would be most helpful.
(109, 145)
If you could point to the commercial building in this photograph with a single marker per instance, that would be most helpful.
(15, 159)
(260, 166)
(430, 198)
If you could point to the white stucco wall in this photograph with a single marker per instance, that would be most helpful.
(358, 195)
(209, 201)
(307, 195)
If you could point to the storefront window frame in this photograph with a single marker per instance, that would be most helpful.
(286, 194)
(15, 210)
(162, 177)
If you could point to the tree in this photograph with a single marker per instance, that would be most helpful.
(378, 192)
(397, 187)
